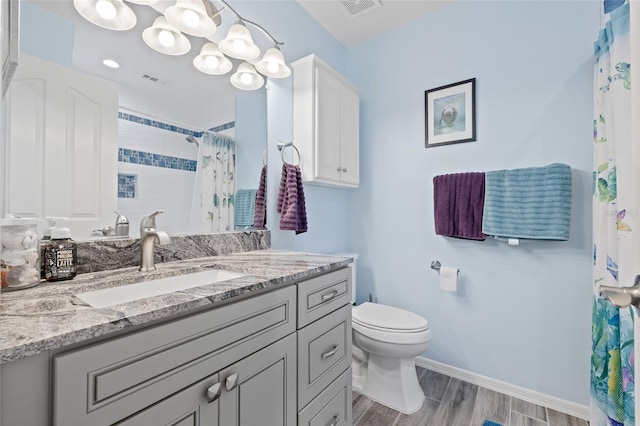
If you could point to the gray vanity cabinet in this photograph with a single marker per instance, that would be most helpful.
(324, 350)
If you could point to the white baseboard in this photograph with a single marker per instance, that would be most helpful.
(564, 406)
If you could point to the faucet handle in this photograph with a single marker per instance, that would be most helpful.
(150, 221)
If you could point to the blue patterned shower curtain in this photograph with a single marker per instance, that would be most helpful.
(213, 204)
(615, 224)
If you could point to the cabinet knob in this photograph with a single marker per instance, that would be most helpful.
(339, 169)
(333, 421)
(213, 392)
(344, 170)
(331, 352)
(231, 382)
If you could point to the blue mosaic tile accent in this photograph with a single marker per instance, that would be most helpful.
(223, 127)
(158, 124)
(127, 185)
(155, 160)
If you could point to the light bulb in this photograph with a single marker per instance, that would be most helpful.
(106, 9)
(166, 38)
(190, 18)
(246, 78)
(212, 62)
(239, 46)
(273, 67)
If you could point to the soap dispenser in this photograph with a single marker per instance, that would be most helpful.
(60, 255)
(122, 225)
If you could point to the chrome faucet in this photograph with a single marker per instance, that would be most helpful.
(148, 237)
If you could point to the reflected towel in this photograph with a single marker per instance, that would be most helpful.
(291, 201)
(532, 203)
(260, 218)
(458, 201)
(244, 208)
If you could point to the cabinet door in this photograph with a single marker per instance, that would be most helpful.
(349, 136)
(62, 147)
(196, 405)
(327, 146)
(261, 389)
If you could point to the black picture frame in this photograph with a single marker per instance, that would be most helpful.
(450, 114)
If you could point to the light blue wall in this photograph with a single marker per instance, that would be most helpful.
(521, 314)
(50, 36)
(326, 207)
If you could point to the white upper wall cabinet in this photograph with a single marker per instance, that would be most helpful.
(326, 122)
(62, 145)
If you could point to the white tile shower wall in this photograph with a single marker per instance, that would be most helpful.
(157, 187)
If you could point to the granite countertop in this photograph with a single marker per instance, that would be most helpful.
(50, 316)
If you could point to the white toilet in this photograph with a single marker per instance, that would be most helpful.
(385, 341)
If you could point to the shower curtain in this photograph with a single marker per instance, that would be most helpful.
(615, 224)
(212, 208)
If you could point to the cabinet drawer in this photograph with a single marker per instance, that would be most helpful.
(108, 381)
(332, 406)
(324, 352)
(319, 296)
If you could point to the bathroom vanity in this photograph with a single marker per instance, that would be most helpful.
(272, 347)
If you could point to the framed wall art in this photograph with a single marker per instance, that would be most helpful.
(450, 114)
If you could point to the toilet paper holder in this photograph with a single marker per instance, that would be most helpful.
(435, 265)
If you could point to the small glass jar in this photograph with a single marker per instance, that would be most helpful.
(19, 254)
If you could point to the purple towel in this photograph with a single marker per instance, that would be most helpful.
(291, 201)
(260, 216)
(458, 203)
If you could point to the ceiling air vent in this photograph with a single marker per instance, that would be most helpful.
(150, 78)
(357, 7)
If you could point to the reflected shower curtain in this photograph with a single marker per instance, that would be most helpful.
(615, 225)
(215, 187)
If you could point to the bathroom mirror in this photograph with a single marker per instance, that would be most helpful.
(165, 108)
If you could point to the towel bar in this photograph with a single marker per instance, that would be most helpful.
(435, 265)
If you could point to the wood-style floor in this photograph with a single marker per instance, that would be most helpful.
(452, 402)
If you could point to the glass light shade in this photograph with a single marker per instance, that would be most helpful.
(190, 17)
(273, 65)
(239, 44)
(246, 78)
(147, 2)
(163, 38)
(109, 14)
(212, 61)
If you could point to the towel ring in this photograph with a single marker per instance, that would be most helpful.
(264, 157)
(282, 146)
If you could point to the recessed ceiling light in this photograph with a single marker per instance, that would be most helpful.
(111, 63)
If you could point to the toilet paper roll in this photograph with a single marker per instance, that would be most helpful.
(448, 278)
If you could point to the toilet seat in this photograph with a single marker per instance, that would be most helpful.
(388, 318)
(390, 324)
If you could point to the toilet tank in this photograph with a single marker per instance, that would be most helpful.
(353, 273)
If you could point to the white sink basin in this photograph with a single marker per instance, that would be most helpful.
(137, 291)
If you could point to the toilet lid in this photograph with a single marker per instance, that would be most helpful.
(383, 317)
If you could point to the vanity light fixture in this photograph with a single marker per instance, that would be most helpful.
(164, 38)
(190, 17)
(198, 18)
(110, 14)
(110, 63)
(246, 77)
(212, 61)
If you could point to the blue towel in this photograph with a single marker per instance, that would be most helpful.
(245, 208)
(490, 423)
(531, 203)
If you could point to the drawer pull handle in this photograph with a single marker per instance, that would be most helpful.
(329, 296)
(331, 353)
(213, 392)
(334, 421)
(231, 382)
